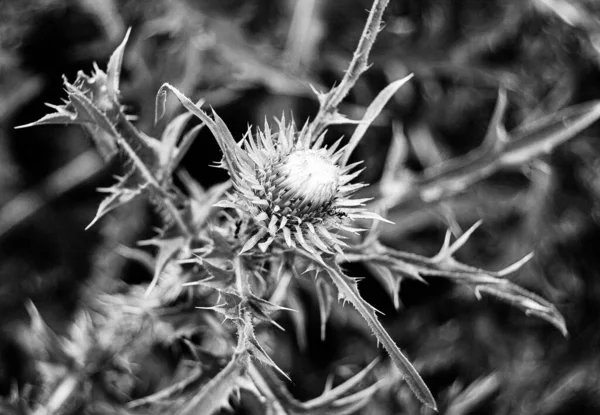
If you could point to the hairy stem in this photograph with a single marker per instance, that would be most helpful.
(357, 66)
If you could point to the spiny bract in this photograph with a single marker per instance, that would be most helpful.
(296, 190)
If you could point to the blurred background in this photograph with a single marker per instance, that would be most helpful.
(259, 58)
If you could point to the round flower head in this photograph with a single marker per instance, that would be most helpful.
(296, 190)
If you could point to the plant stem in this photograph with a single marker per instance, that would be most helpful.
(357, 66)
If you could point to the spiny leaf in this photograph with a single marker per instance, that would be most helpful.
(445, 266)
(541, 136)
(389, 270)
(523, 144)
(248, 341)
(62, 117)
(265, 307)
(262, 310)
(222, 273)
(527, 301)
(349, 290)
(87, 111)
(93, 102)
(82, 109)
(127, 189)
(257, 351)
(230, 305)
(235, 158)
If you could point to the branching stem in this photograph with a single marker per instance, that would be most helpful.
(357, 66)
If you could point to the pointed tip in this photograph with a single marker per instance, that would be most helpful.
(32, 310)
(516, 266)
(94, 221)
(20, 127)
(127, 33)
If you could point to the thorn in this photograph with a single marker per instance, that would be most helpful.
(448, 251)
(516, 266)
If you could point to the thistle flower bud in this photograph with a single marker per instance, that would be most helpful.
(295, 190)
(305, 181)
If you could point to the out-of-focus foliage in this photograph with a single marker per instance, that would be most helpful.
(496, 87)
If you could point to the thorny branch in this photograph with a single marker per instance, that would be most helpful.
(358, 65)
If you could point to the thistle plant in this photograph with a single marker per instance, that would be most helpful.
(291, 210)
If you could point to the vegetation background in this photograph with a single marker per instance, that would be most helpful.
(257, 59)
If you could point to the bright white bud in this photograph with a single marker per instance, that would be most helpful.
(309, 180)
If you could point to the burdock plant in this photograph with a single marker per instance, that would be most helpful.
(226, 255)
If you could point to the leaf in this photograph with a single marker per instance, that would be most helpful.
(348, 289)
(299, 320)
(482, 281)
(215, 394)
(371, 114)
(223, 274)
(221, 247)
(80, 109)
(253, 240)
(229, 305)
(127, 189)
(62, 117)
(87, 111)
(167, 249)
(496, 136)
(161, 396)
(262, 310)
(257, 351)
(526, 301)
(476, 395)
(93, 102)
(186, 143)
(235, 158)
(541, 136)
(522, 145)
(324, 297)
(389, 281)
(42, 335)
(386, 268)
(113, 69)
(169, 138)
(345, 398)
(202, 203)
